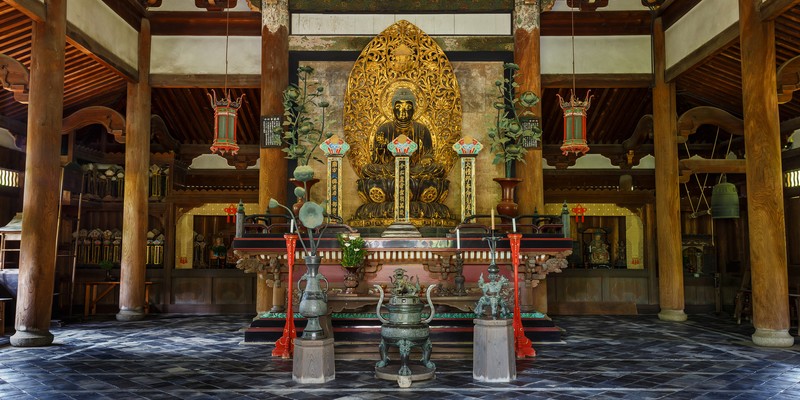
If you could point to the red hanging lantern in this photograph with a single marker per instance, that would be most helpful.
(231, 210)
(225, 111)
(575, 123)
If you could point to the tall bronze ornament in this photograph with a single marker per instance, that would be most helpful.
(402, 57)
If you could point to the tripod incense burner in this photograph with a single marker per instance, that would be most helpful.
(405, 328)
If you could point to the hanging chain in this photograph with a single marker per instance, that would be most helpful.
(572, 23)
(227, 31)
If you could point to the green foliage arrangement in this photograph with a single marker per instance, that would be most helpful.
(106, 265)
(508, 135)
(353, 252)
(302, 135)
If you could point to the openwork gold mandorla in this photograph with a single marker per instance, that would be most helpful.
(402, 56)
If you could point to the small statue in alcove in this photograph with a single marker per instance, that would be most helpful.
(219, 252)
(598, 250)
(622, 257)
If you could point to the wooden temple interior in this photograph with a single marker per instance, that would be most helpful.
(685, 94)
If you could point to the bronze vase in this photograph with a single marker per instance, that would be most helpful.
(507, 205)
(314, 299)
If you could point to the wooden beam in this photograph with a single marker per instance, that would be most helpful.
(212, 23)
(94, 49)
(132, 11)
(716, 45)
(598, 80)
(112, 120)
(401, 6)
(788, 77)
(689, 121)
(32, 8)
(711, 166)
(17, 128)
(789, 126)
(673, 10)
(636, 197)
(596, 23)
(449, 44)
(204, 81)
(772, 9)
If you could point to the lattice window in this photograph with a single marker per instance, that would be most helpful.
(791, 179)
(9, 178)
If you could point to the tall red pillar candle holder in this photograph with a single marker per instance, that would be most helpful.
(522, 345)
(284, 347)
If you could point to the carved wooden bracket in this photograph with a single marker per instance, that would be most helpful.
(113, 121)
(788, 78)
(15, 78)
(159, 131)
(694, 118)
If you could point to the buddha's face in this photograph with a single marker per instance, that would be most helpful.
(403, 110)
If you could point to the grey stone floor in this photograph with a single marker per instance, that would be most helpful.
(201, 357)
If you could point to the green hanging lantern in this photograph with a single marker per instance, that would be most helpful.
(225, 110)
(575, 123)
(724, 200)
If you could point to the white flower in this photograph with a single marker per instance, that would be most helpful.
(347, 244)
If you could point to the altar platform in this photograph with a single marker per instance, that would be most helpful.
(357, 335)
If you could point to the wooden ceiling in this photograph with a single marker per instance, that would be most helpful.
(86, 81)
(612, 118)
(718, 81)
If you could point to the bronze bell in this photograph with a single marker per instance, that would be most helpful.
(724, 200)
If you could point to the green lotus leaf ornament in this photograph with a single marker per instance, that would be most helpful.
(299, 192)
(311, 215)
(273, 203)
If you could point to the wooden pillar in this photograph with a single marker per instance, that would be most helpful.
(530, 192)
(668, 225)
(42, 173)
(764, 179)
(137, 162)
(273, 168)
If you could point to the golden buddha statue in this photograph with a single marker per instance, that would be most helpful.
(423, 164)
(402, 84)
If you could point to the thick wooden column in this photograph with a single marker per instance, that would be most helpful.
(273, 176)
(764, 179)
(273, 167)
(135, 213)
(42, 183)
(668, 227)
(530, 192)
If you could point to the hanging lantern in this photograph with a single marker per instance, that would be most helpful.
(575, 123)
(724, 200)
(225, 111)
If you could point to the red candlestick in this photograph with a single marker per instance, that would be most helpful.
(284, 347)
(522, 345)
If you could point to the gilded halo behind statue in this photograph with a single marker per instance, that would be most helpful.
(402, 83)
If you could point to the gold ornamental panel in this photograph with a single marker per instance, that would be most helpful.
(402, 56)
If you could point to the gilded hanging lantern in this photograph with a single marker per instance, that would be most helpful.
(575, 123)
(225, 110)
